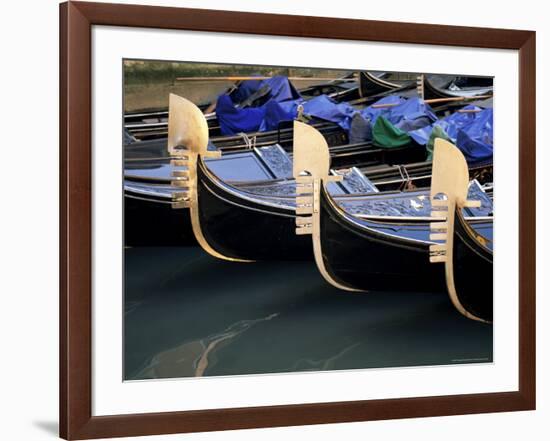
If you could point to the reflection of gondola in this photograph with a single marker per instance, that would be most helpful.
(467, 254)
(386, 248)
(450, 86)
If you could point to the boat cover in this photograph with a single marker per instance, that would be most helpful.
(437, 132)
(325, 108)
(237, 114)
(268, 116)
(277, 88)
(388, 126)
(387, 135)
(471, 132)
(394, 126)
(235, 120)
(408, 114)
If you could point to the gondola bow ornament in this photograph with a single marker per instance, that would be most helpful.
(448, 195)
(311, 168)
(187, 143)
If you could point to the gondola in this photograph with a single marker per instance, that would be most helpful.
(467, 254)
(386, 248)
(153, 124)
(450, 86)
(155, 148)
(342, 89)
(153, 207)
(373, 83)
(245, 224)
(149, 194)
(282, 135)
(153, 203)
(199, 178)
(226, 221)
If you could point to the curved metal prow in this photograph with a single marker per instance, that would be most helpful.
(310, 152)
(187, 127)
(311, 169)
(187, 143)
(449, 191)
(450, 174)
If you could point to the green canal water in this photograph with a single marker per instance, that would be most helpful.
(189, 314)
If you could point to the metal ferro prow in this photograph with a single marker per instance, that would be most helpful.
(187, 143)
(311, 168)
(187, 139)
(449, 191)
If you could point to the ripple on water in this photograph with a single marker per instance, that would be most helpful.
(193, 358)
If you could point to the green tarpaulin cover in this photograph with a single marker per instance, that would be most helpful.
(385, 134)
(437, 132)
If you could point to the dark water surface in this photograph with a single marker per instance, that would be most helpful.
(189, 314)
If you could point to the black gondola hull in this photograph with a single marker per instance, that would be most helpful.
(473, 271)
(243, 229)
(155, 223)
(363, 259)
(436, 86)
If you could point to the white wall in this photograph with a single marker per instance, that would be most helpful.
(28, 217)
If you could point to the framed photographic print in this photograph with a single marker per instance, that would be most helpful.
(272, 220)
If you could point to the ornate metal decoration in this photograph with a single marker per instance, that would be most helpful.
(187, 143)
(311, 171)
(449, 190)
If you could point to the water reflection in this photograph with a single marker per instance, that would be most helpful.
(188, 314)
(193, 358)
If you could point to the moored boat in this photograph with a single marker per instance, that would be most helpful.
(269, 211)
(384, 243)
(373, 83)
(452, 86)
(152, 124)
(467, 254)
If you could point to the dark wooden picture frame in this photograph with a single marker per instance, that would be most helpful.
(76, 21)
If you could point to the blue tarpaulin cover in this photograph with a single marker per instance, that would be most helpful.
(471, 132)
(403, 114)
(278, 88)
(275, 113)
(236, 119)
(323, 107)
(268, 116)
(411, 114)
(372, 112)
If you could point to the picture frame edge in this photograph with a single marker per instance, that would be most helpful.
(75, 381)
